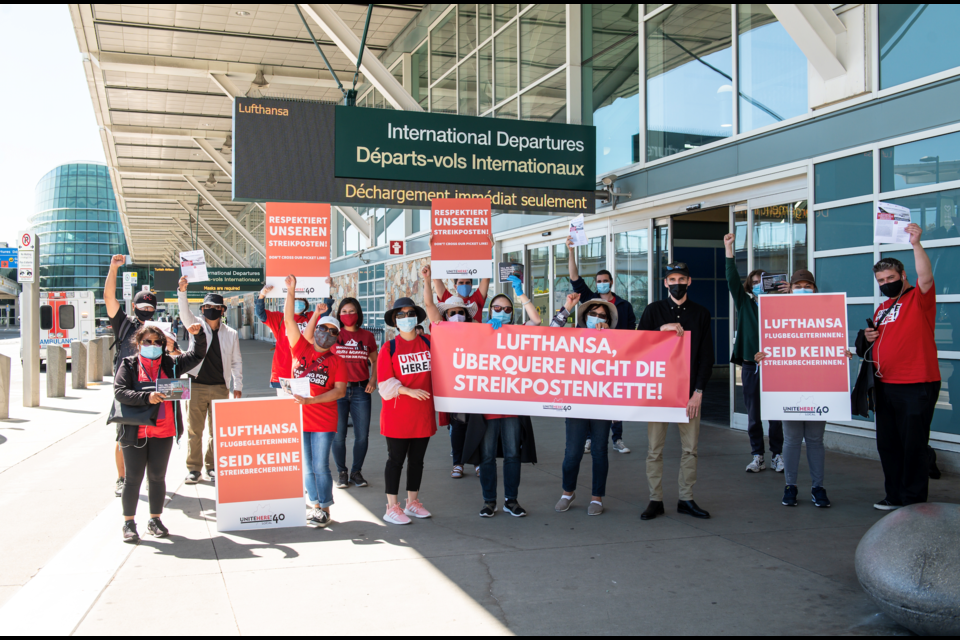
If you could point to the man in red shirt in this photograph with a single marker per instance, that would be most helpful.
(282, 361)
(907, 374)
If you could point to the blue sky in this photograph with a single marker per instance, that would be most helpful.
(47, 112)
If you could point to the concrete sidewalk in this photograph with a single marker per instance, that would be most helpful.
(755, 568)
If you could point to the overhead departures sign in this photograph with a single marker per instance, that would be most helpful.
(290, 151)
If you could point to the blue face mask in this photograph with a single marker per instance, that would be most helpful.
(592, 322)
(757, 289)
(406, 325)
(803, 290)
(299, 306)
(502, 316)
(463, 290)
(151, 351)
(603, 287)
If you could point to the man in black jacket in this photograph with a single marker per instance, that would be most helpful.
(678, 313)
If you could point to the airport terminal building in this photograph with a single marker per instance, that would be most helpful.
(784, 124)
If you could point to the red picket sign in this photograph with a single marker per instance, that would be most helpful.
(572, 373)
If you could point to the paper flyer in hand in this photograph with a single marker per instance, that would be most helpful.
(892, 221)
(193, 266)
(174, 389)
(507, 269)
(577, 232)
(296, 386)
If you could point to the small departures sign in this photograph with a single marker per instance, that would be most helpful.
(290, 151)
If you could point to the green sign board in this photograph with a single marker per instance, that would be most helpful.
(406, 145)
(221, 279)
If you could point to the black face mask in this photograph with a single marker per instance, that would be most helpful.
(211, 313)
(892, 289)
(678, 291)
(144, 316)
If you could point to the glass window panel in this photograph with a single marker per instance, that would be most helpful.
(420, 220)
(506, 62)
(504, 13)
(443, 46)
(649, 8)
(630, 253)
(46, 317)
(611, 62)
(857, 315)
(844, 177)
(418, 72)
(936, 213)
(689, 78)
(542, 41)
(853, 274)
(486, 77)
(67, 317)
(773, 70)
(539, 261)
(546, 102)
(844, 227)
(946, 267)
(916, 40)
(467, 20)
(944, 419)
(485, 21)
(468, 87)
(929, 161)
(378, 287)
(378, 270)
(397, 73)
(443, 96)
(947, 332)
(780, 238)
(509, 110)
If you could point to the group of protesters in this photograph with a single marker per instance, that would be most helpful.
(345, 365)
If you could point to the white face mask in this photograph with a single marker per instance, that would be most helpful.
(456, 318)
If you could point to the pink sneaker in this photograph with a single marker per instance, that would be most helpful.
(416, 510)
(395, 516)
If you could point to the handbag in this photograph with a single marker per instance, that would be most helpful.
(130, 415)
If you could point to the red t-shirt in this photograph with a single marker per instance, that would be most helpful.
(403, 416)
(354, 348)
(905, 350)
(166, 427)
(475, 297)
(324, 370)
(282, 362)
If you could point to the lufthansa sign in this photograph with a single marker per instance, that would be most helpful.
(290, 151)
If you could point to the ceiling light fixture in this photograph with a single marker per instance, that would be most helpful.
(227, 146)
(242, 14)
(260, 81)
(211, 180)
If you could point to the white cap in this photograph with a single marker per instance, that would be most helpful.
(330, 320)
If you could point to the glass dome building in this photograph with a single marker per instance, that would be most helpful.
(79, 228)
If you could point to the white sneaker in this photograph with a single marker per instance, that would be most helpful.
(619, 446)
(757, 465)
(586, 447)
(395, 515)
(318, 518)
(777, 463)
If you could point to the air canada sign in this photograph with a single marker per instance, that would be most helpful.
(355, 155)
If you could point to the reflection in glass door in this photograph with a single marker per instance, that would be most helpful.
(630, 252)
(538, 261)
(661, 257)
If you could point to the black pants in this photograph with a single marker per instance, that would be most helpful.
(152, 458)
(904, 413)
(458, 435)
(413, 449)
(750, 374)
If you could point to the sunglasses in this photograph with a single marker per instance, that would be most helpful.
(597, 314)
(156, 343)
(456, 312)
(499, 308)
(406, 314)
(677, 266)
(329, 329)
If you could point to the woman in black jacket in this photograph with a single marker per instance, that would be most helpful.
(146, 448)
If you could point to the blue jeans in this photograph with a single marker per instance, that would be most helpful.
(507, 429)
(357, 404)
(616, 431)
(795, 432)
(274, 385)
(316, 464)
(578, 430)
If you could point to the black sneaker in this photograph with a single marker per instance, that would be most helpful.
(211, 475)
(886, 505)
(513, 508)
(789, 496)
(192, 478)
(156, 528)
(820, 497)
(343, 480)
(357, 479)
(130, 532)
(118, 488)
(489, 510)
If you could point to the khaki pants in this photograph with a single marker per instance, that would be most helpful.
(656, 436)
(198, 408)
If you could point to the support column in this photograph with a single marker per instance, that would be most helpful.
(56, 371)
(78, 365)
(94, 361)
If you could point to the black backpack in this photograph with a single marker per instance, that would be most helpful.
(393, 344)
(127, 329)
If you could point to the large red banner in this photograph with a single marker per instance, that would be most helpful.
(461, 238)
(298, 242)
(574, 373)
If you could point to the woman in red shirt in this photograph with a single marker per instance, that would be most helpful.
(327, 385)
(407, 417)
(146, 449)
